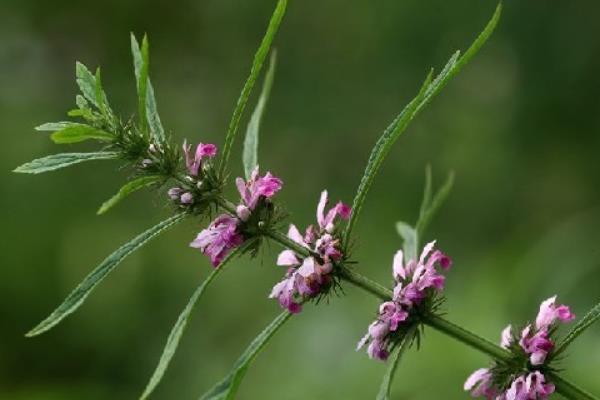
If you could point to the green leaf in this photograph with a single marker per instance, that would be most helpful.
(427, 92)
(588, 320)
(385, 390)
(430, 207)
(411, 239)
(86, 82)
(259, 59)
(55, 126)
(127, 189)
(228, 387)
(250, 155)
(78, 133)
(381, 149)
(78, 296)
(101, 98)
(62, 160)
(147, 108)
(427, 192)
(179, 327)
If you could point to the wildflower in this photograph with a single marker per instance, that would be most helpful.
(307, 277)
(416, 281)
(226, 232)
(193, 163)
(532, 347)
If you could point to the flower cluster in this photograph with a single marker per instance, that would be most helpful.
(307, 277)
(534, 344)
(194, 163)
(226, 232)
(415, 281)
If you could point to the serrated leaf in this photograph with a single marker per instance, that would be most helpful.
(431, 207)
(82, 291)
(62, 160)
(148, 112)
(250, 154)
(55, 126)
(228, 387)
(385, 390)
(410, 239)
(259, 59)
(86, 82)
(452, 67)
(78, 133)
(101, 98)
(588, 320)
(179, 327)
(127, 189)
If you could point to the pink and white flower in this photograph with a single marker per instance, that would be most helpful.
(219, 238)
(255, 188)
(194, 162)
(415, 281)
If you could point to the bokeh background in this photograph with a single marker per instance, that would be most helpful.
(519, 126)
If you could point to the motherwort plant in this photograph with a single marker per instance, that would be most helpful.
(317, 260)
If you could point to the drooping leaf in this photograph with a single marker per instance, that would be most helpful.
(411, 239)
(250, 155)
(78, 133)
(259, 59)
(179, 327)
(385, 390)
(228, 387)
(588, 320)
(146, 100)
(82, 291)
(55, 126)
(62, 160)
(452, 67)
(127, 189)
(429, 209)
(87, 83)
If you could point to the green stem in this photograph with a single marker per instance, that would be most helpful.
(568, 389)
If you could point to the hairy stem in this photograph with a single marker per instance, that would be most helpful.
(569, 390)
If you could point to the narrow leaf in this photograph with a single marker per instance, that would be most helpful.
(259, 59)
(78, 296)
(179, 327)
(588, 320)
(127, 189)
(87, 82)
(78, 133)
(228, 387)
(146, 99)
(101, 98)
(453, 66)
(410, 237)
(250, 155)
(381, 149)
(427, 192)
(433, 207)
(55, 126)
(385, 390)
(62, 160)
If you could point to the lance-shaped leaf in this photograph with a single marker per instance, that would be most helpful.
(78, 133)
(428, 91)
(87, 83)
(259, 59)
(250, 155)
(385, 390)
(179, 327)
(430, 206)
(62, 160)
(147, 109)
(588, 320)
(228, 387)
(129, 188)
(55, 126)
(410, 239)
(82, 291)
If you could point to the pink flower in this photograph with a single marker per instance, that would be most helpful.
(193, 163)
(256, 187)
(219, 238)
(415, 281)
(306, 277)
(550, 312)
(326, 221)
(480, 384)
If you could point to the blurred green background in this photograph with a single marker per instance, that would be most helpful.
(519, 126)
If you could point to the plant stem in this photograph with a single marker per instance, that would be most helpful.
(564, 387)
